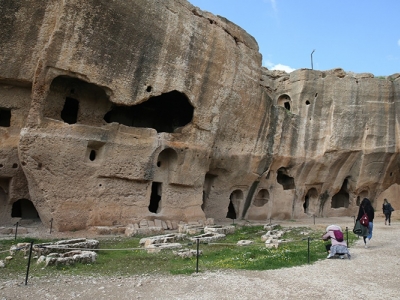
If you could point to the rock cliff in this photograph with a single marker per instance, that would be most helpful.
(114, 112)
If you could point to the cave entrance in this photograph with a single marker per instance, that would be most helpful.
(341, 199)
(310, 201)
(285, 180)
(24, 209)
(155, 197)
(69, 114)
(5, 117)
(284, 101)
(235, 199)
(165, 113)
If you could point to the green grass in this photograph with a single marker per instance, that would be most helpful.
(223, 254)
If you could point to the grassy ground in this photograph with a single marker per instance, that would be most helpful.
(222, 255)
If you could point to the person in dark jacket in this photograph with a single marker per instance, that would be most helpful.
(387, 210)
(366, 207)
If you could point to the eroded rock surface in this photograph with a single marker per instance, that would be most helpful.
(115, 112)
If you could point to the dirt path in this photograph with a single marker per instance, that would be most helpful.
(372, 273)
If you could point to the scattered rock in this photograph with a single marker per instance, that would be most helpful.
(244, 243)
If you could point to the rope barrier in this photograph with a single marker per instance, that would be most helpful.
(90, 249)
(17, 249)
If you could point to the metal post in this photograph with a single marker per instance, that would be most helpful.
(314, 219)
(29, 263)
(197, 256)
(16, 230)
(308, 248)
(51, 224)
(312, 65)
(347, 236)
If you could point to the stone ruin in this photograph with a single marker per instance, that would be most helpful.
(115, 112)
(64, 252)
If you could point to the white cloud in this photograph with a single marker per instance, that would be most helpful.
(272, 66)
(283, 68)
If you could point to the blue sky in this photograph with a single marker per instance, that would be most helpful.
(355, 35)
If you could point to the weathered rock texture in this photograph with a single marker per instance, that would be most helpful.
(111, 112)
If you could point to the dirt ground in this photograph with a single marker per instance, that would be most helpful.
(372, 273)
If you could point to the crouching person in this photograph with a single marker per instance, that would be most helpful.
(337, 244)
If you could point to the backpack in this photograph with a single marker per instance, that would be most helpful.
(338, 235)
(364, 220)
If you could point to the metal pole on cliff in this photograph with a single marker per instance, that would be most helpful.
(29, 263)
(312, 65)
(16, 230)
(51, 224)
(347, 236)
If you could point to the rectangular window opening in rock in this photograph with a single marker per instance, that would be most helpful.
(155, 197)
(5, 117)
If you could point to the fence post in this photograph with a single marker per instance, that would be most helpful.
(197, 255)
(51, 224)
(29, 263)
(308, 248)
(347, 236)
(16, 230)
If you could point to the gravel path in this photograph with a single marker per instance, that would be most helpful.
(372, 273)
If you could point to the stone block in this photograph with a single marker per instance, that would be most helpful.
(158, 223)
(164, 225)
(143, 224)
(169, 224)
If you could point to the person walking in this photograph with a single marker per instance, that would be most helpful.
(387, 210)
(366, 208)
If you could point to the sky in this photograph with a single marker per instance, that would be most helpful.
(360, 36)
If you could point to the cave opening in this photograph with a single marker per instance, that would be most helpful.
(235, 199)
(24, 209)
(285, 180)
(165, 113)
(341, 199)
(92, 155)
(155, 197)
(5, 117)
(285, 101)
(69, 113)
(310, 200)
(231, 211)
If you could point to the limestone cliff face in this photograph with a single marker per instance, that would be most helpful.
(112, 112)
